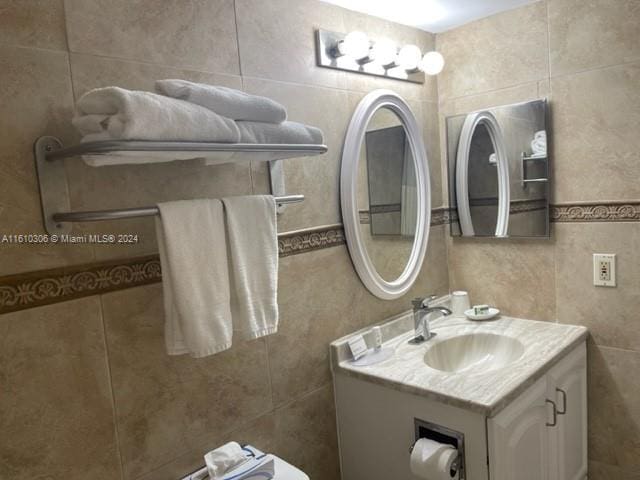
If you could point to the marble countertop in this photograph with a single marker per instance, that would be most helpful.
(486, 392)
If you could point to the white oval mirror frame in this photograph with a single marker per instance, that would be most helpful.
(472, 121)
(365, 110)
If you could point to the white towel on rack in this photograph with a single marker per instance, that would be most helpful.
(135, 115)
(253, 245)
(227, 102)
(195, 279)
(285, 132)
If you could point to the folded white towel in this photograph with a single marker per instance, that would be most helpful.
(224, 101)
(195, 280)
(223, 459)
(135, 115)
(539, 146)
(253, 243)
(285, 132)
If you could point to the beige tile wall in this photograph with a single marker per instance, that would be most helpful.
(584, 56)
(87, 391)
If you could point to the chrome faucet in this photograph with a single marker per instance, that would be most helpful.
(421, 311)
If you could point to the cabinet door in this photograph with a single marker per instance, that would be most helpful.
(567, 386)
(518, 437)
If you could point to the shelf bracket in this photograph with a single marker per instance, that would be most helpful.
(276, 179)
(52, 182)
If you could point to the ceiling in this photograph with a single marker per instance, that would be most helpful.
(430, 15)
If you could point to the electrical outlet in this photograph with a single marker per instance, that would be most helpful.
(604, 269)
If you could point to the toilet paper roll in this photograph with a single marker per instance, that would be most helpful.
(433, 460)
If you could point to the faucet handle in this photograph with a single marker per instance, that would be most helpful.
(423, 302)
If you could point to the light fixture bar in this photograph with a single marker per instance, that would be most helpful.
(326, 45)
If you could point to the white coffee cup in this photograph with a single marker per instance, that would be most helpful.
(460, 302)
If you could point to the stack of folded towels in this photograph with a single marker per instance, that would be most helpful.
(187, 111)
(539, 143)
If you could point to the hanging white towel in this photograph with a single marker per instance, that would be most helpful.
(135, 115)
(253, 245)
(224, 101)
(195, 280)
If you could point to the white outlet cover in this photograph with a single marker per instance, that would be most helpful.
(609, 261)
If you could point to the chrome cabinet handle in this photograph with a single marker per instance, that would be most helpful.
(564, 401)
(555, 414)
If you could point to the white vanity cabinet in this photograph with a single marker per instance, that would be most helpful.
(542, 435)
(510, 395)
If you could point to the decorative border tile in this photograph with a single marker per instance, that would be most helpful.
(302, 241)
(596, 212)
(28, 290)
(43, 287)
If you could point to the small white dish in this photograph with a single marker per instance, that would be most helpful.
(485, 316)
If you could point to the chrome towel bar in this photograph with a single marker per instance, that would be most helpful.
(95, 216)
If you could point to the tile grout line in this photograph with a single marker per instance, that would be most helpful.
(111, 387)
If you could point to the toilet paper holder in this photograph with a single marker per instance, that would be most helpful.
(438, 433)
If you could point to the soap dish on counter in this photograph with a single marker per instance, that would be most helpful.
(482, 316)
(372, 357)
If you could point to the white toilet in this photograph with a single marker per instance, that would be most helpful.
(281, 469)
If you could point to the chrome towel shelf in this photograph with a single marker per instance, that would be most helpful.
(223, 152)
(54, 191)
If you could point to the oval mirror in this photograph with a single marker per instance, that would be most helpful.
(385, 194)
(482, 177)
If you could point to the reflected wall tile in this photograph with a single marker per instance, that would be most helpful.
(57, 419)
(36, 100)
(167, 406)
(317, 178)
(591, 34)
(33, 23)
(198, 34)
(596, 142)
(90, 71)
(610, 313)
(492, 270)
(478, 54)
(614, 410)
(306, 434)
(277, 40)
(316, 294)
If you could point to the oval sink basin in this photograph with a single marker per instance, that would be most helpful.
(477, 352)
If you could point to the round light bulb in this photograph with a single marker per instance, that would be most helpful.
(355, 45)
(432, 63)
(409, 57)
(384, 52)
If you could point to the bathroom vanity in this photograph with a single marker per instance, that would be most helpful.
(510, 393)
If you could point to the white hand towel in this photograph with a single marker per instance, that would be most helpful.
(224, 101)
(253, 243)
(195, 280)
(223, 459)
(285, 132)
(135, 115)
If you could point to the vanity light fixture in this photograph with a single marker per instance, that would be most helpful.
(385, 53)
(409, 58)
(432, 63)
(355, 45)
(356, 52)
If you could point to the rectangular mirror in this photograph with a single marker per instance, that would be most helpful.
(498, 168)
